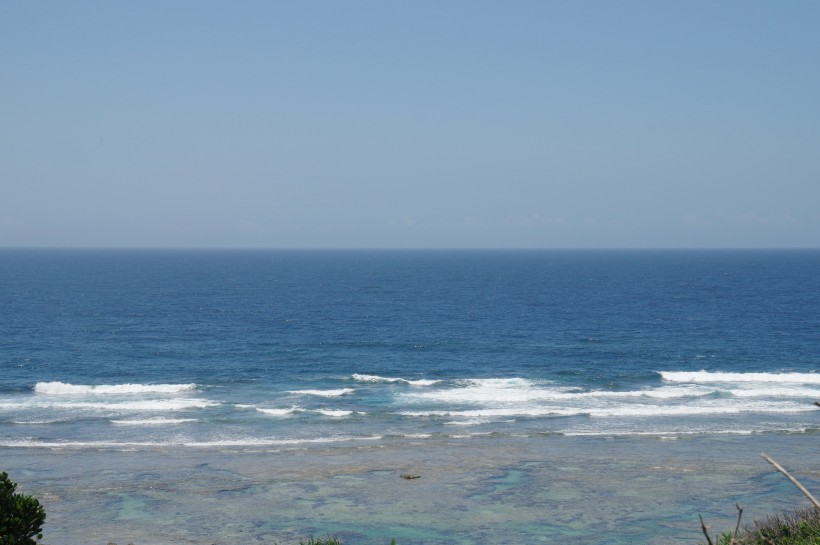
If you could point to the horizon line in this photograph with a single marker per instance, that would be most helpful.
(416, 249)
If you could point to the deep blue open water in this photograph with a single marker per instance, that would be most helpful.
(196, 352)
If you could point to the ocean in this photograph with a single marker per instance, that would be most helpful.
(323, 361)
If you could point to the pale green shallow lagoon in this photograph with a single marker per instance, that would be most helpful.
(551, 489)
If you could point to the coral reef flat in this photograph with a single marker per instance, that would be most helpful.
(551, 489)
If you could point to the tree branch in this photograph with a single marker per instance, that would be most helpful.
(794, 481)
(705, 530)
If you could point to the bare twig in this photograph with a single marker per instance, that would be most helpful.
(737, 526)
(705, 530)
(794, 481)
(817, 403)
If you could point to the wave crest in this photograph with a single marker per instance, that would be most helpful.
(323, 393)
(375, 378)
(334, 413)
(62, 388)
(706, 376)
(153, 421)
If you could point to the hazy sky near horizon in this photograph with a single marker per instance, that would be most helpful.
(423, 124)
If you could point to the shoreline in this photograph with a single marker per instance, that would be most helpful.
(610, 490)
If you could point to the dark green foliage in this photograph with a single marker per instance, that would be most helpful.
(21, 516)
(798, 528)
(330, 540)
(322, 541)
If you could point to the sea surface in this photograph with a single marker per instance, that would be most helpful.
(196, 356)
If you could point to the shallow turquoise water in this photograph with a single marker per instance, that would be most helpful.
(477, 490)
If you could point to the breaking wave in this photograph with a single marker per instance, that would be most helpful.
(375, 378)
(334, 413)
(153, 421)
(323, 393)
(62, 388)
(706, 376)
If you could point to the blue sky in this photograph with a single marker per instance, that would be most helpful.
(386, 124)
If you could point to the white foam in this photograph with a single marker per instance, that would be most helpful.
(333, 413)
(235, 443)
(498, 383)
(280, 412)
(509, 392)
(153, 422)
(62, 388)
(33, 443)
(143, 405)
(666, 392)
(697, 410)
(375, 378)
(620, 410)
(706, 376)
(323, 393)
(659, 434)
(470, 422)
(673, 434)
(498, 412)
(422, 382)
(493, 392)
(259, 442)
(470, 435)
(793, 391)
